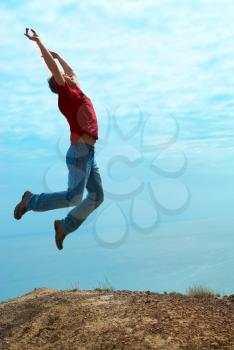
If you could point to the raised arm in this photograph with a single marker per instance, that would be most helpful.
(66, 67)
(48, 58)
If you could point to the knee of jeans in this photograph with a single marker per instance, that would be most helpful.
(74, 198)
(97, 197)
(100, 197)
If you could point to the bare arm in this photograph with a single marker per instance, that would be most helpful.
(66, 67)
(48, 58)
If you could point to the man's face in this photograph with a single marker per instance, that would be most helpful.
(70, 80)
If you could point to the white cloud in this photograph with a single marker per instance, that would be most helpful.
(177, 57)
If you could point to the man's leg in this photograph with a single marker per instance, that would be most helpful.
(56, 200)
(78, 164)
(93, 199)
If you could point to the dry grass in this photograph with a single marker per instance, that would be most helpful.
(201, 292)
(104, 285)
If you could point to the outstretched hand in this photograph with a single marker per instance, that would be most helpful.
(34, 37)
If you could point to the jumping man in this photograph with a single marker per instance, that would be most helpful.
(83, 171)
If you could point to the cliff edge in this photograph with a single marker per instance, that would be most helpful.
(47, 319)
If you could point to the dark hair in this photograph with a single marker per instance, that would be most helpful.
(52, 84)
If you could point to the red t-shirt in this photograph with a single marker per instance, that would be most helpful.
(78, 110)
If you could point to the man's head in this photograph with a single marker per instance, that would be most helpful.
(69, 79)
(52, 84)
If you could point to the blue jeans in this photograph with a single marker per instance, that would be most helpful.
(83, 173)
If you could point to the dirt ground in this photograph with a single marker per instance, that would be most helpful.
(47, 319)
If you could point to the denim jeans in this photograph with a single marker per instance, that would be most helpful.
(83, 173)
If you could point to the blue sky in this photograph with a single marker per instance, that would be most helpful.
(160, 75)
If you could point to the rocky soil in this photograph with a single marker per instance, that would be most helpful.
(47, 319)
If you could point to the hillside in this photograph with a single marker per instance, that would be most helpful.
(47, 319)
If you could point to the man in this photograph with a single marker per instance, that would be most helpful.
(83, 171)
